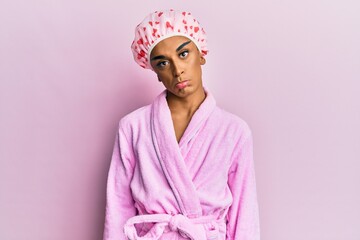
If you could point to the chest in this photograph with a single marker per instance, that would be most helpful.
(180, 124)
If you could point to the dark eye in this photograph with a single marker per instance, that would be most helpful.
(161, 64)
(184, 54)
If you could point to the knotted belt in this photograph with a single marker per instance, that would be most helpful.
(190, 228)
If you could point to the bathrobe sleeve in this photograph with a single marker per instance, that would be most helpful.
(119, 201)
(243, 215)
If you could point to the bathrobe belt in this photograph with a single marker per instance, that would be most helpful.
(191, 228)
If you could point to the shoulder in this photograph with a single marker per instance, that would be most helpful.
(235, 126)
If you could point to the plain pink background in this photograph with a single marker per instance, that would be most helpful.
(291, 69)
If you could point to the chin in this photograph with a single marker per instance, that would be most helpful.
(181, 92)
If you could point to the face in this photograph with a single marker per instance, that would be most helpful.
(177, 63)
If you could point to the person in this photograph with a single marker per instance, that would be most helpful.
(182, 168)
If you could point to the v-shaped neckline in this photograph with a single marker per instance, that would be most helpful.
(169, 150)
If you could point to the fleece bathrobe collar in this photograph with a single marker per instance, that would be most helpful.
(169, 152)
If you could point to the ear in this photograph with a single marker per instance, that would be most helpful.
(202, 60)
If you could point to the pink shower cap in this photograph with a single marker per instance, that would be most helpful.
(160, 25)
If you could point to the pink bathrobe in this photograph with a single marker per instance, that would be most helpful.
(200, 188)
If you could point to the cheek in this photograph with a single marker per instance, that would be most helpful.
(196, 59)
(164, 76)
(195, 65)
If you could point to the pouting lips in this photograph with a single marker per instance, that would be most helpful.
(182, 84)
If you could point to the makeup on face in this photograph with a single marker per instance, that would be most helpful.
(175, 61)
(182, 85)
(177, 50)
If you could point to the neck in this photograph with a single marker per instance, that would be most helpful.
(186, 105)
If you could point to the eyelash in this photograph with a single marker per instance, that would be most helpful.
(159, 65)
(181, 55)
(186, 51)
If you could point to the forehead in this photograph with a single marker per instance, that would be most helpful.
(169, 45)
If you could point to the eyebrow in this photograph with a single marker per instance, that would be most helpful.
(183, 45)
(158, 57)
(177, 49)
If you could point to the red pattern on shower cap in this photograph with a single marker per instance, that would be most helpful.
(163, 24)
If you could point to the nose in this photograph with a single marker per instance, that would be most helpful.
(177, 69)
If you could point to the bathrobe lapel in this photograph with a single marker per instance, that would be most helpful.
(169, 151)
